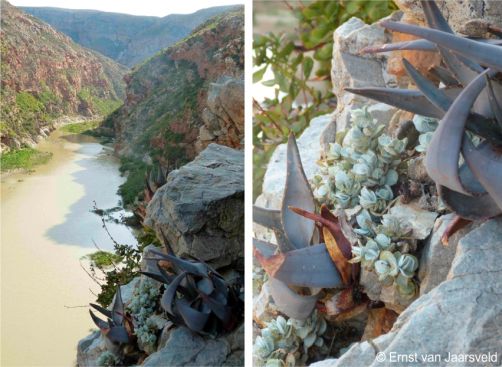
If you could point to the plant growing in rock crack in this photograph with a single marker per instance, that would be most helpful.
(195, 295)
(288, 341)
(361, 166)
(118, 328)
(155, 177)
(142, 308)
(469, 102)
(297, 269)
(358, 174)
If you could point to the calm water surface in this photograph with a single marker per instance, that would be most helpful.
(46, 227)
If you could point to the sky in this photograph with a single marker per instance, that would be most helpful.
(158, 8)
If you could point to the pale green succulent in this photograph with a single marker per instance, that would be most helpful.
(142, 307)
(281, 339)
(361, 166)
(424, 140)
(425, 124)
(108, 359)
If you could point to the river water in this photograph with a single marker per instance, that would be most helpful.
(46, 227)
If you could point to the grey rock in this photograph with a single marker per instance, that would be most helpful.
(214, 353)
(351, 69)
(164, 335)
(436, 259)
(181, 348)
(421, 221)
(310, 152)
(264, 308)
(91, 347)
(236, 338)
(184, 348)
(201, 207)
(147, 265)
(236, 359)
(462, 315)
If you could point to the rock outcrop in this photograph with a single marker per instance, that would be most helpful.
(186, 97)
(127, 39)
(462, 316)
(201, 207)
(46, 75)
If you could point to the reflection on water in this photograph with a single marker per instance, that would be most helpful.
(46, 227)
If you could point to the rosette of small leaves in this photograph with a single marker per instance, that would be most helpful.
(281, 339)
(380, 250)
(108, 359)
(360, 167)
(426, 127)
(142, 306)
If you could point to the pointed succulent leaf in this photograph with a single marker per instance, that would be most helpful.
(291, 303)
(297, 193)
(483, 53)
(444, 149)
(341, 262)
(417, 45)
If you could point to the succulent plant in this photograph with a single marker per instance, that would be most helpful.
(298, 259)
(289, 340)
(108, 359)
(118, 328)
(196, 296)
(361, 167)
(155, 177)
(142, 307)
(473, 188)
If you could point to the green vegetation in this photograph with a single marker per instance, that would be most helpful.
(103, 259)
(103, 106)
(135, 182)
(300, 62)
(81, 127)
(25, 158)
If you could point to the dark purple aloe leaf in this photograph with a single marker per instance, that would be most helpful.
(186, 266)
(118, 308)
(219, 285)
(469, 207)
(103, 310)
(306, 267)
(267, 249)
(483, 53)
(205, 285)
(485, 162)
(118, 334)
(444, 149)
(434, 16)
(494, 104)
(444, 75)
(291, 303)
(194, 320)
(297, 192)
(222, 311)
(429, 90)
(170, 293)
(416, 45)
(405, 99)
(270, 218)
(101, 324)
(158, 277)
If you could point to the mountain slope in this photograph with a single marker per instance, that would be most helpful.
(186, 96)
(46, 75)
(128, 39)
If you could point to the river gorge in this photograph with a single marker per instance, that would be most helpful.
(47, 226)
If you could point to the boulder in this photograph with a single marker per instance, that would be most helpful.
(184, 348)
(351, 69)
(310, 152)
(264, 308)
(91, 347)
(461, 316)
(421, 221)
(201, 207)
(436, 258)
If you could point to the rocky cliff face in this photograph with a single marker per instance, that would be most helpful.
(46, 75)
(128, 39)
(186, 97)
